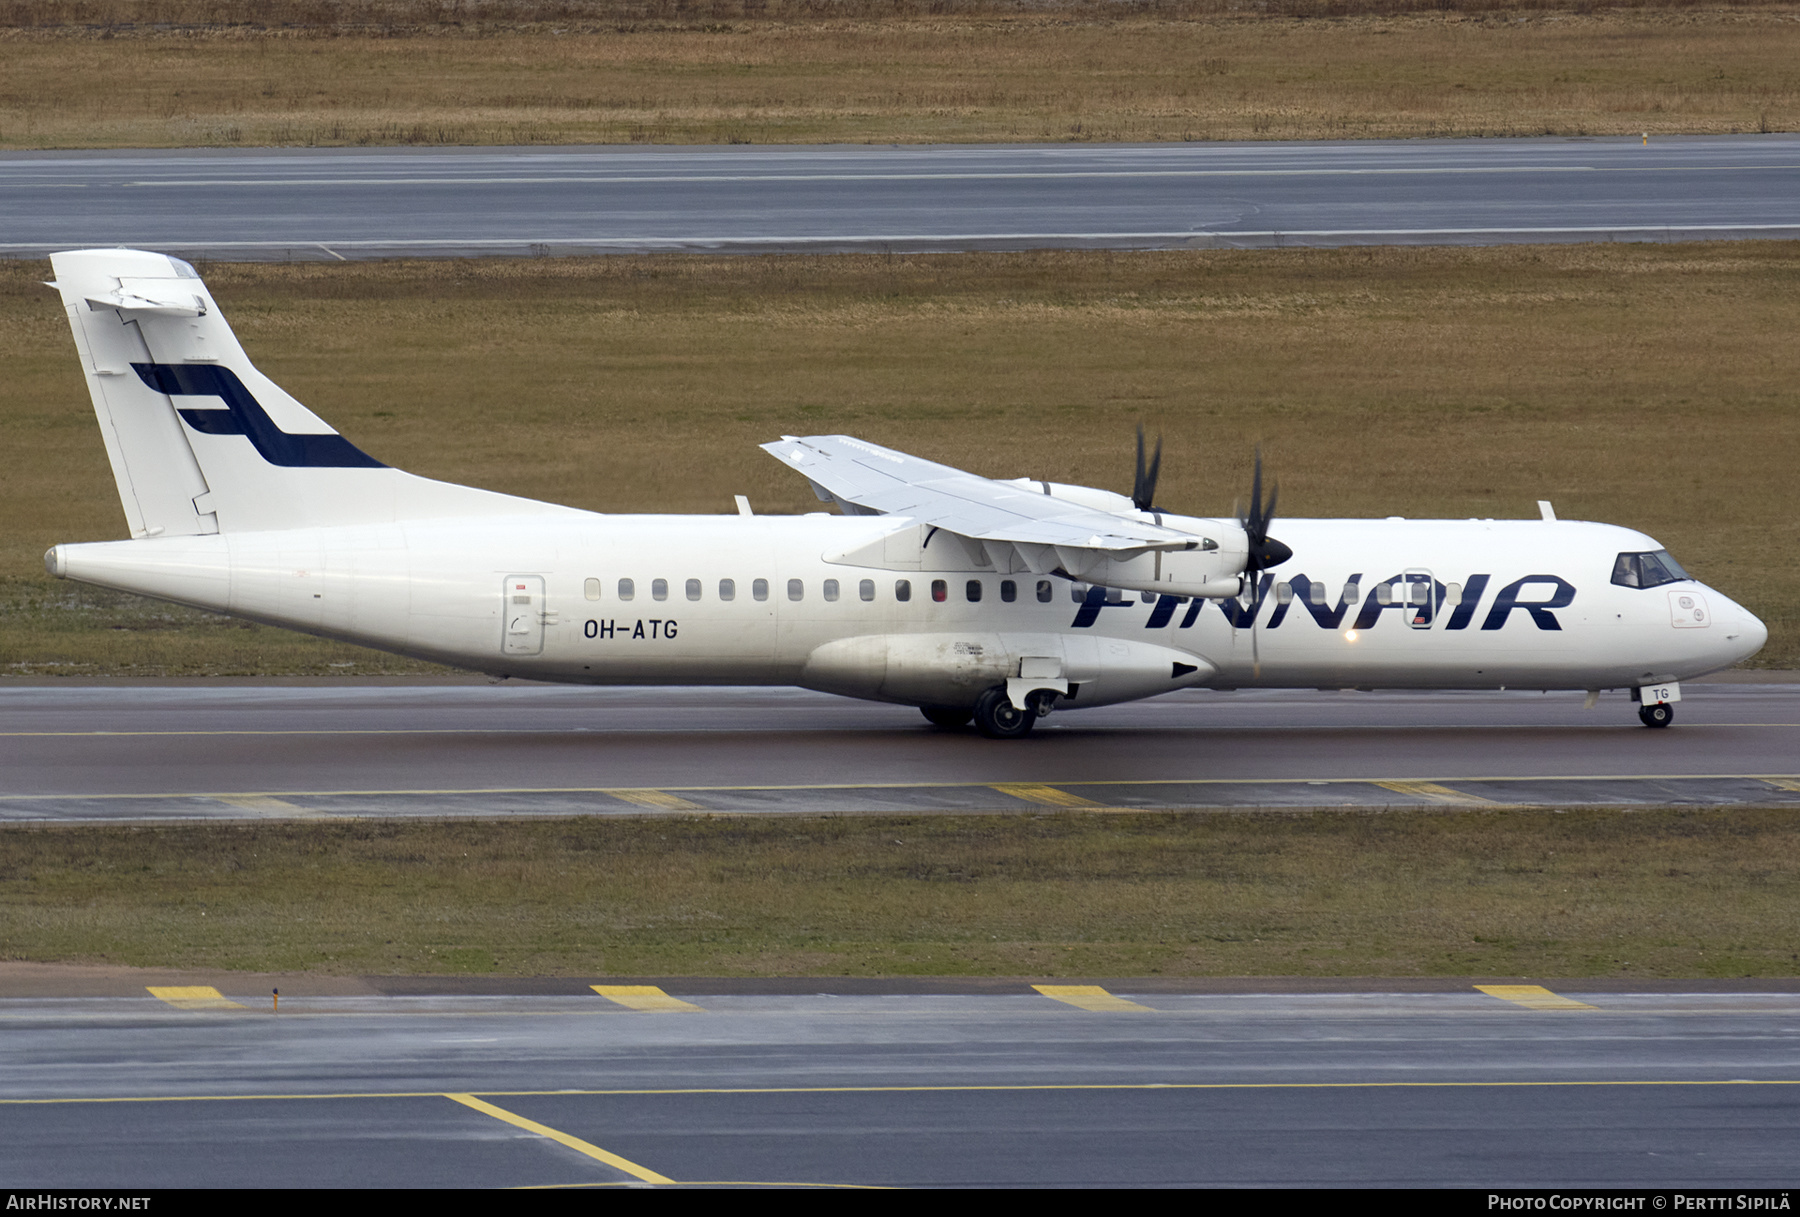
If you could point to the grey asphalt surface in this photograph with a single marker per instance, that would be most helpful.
(348, 203)
(235, 751)
(1460, 1089)
(928, 1082)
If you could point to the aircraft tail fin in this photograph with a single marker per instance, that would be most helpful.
(199, 440)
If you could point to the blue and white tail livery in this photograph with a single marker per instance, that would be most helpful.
(971, 598)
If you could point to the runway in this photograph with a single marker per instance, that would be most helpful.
(355, 203)
(991, 1084)
(246, 750)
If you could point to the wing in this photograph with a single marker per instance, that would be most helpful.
(1016, 526)
(871, 480)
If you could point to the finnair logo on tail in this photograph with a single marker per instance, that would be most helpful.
(244, 415)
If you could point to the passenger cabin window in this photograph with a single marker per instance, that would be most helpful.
(796, 589)
(940, 591)
(866, 589)
(1045, 590)
(591, 589)
(1284, 592)
(727, 589)
(1009, 591)
(693, 589)
(972, 590)
(830, 590)
(759, 590)
(903, 590)
(1647, 570)
(659, 589)
(627, 589)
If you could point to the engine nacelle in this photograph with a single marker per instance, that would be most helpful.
(1211, 570)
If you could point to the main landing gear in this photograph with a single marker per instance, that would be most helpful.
(1659, 715)
(994, 715)
(997, 718)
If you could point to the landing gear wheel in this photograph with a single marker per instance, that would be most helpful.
(1660, 715)
(947, 717)
(997, 718)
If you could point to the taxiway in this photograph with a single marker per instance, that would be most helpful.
(249, 750)
(994, 1085)
(283, 204)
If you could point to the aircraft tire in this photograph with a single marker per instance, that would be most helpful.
(997, 718)
(948, 717)
(1660, 715)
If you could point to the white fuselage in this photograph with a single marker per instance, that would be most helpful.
(1469, 604)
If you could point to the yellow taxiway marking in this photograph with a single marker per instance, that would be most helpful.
(562, 1138)
(264, 802)
(193, 997)
(643, 997)
(1048, 796)
(660, 799)
(1089, 997)
(1534, 997)
(1432, 791)
(1784, 783)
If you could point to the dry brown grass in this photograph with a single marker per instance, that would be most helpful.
(105, 73)
(1688, 893)
(1655, 386)
(328, 17)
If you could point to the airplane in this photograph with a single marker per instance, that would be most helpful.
(973, 599)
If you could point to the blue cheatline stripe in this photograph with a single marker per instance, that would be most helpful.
(244, 415)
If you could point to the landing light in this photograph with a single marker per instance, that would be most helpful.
(1349, 635)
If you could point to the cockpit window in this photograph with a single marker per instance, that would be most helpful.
(1647, 570)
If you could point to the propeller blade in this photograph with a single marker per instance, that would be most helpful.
(1264, 550)
(1255, 620)
(1143, 489)
(1255, 521)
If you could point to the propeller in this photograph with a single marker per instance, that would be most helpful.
(1264, 552)
(1143, 491)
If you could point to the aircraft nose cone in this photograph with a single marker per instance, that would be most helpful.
(1746, 634)
(1751, 633)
